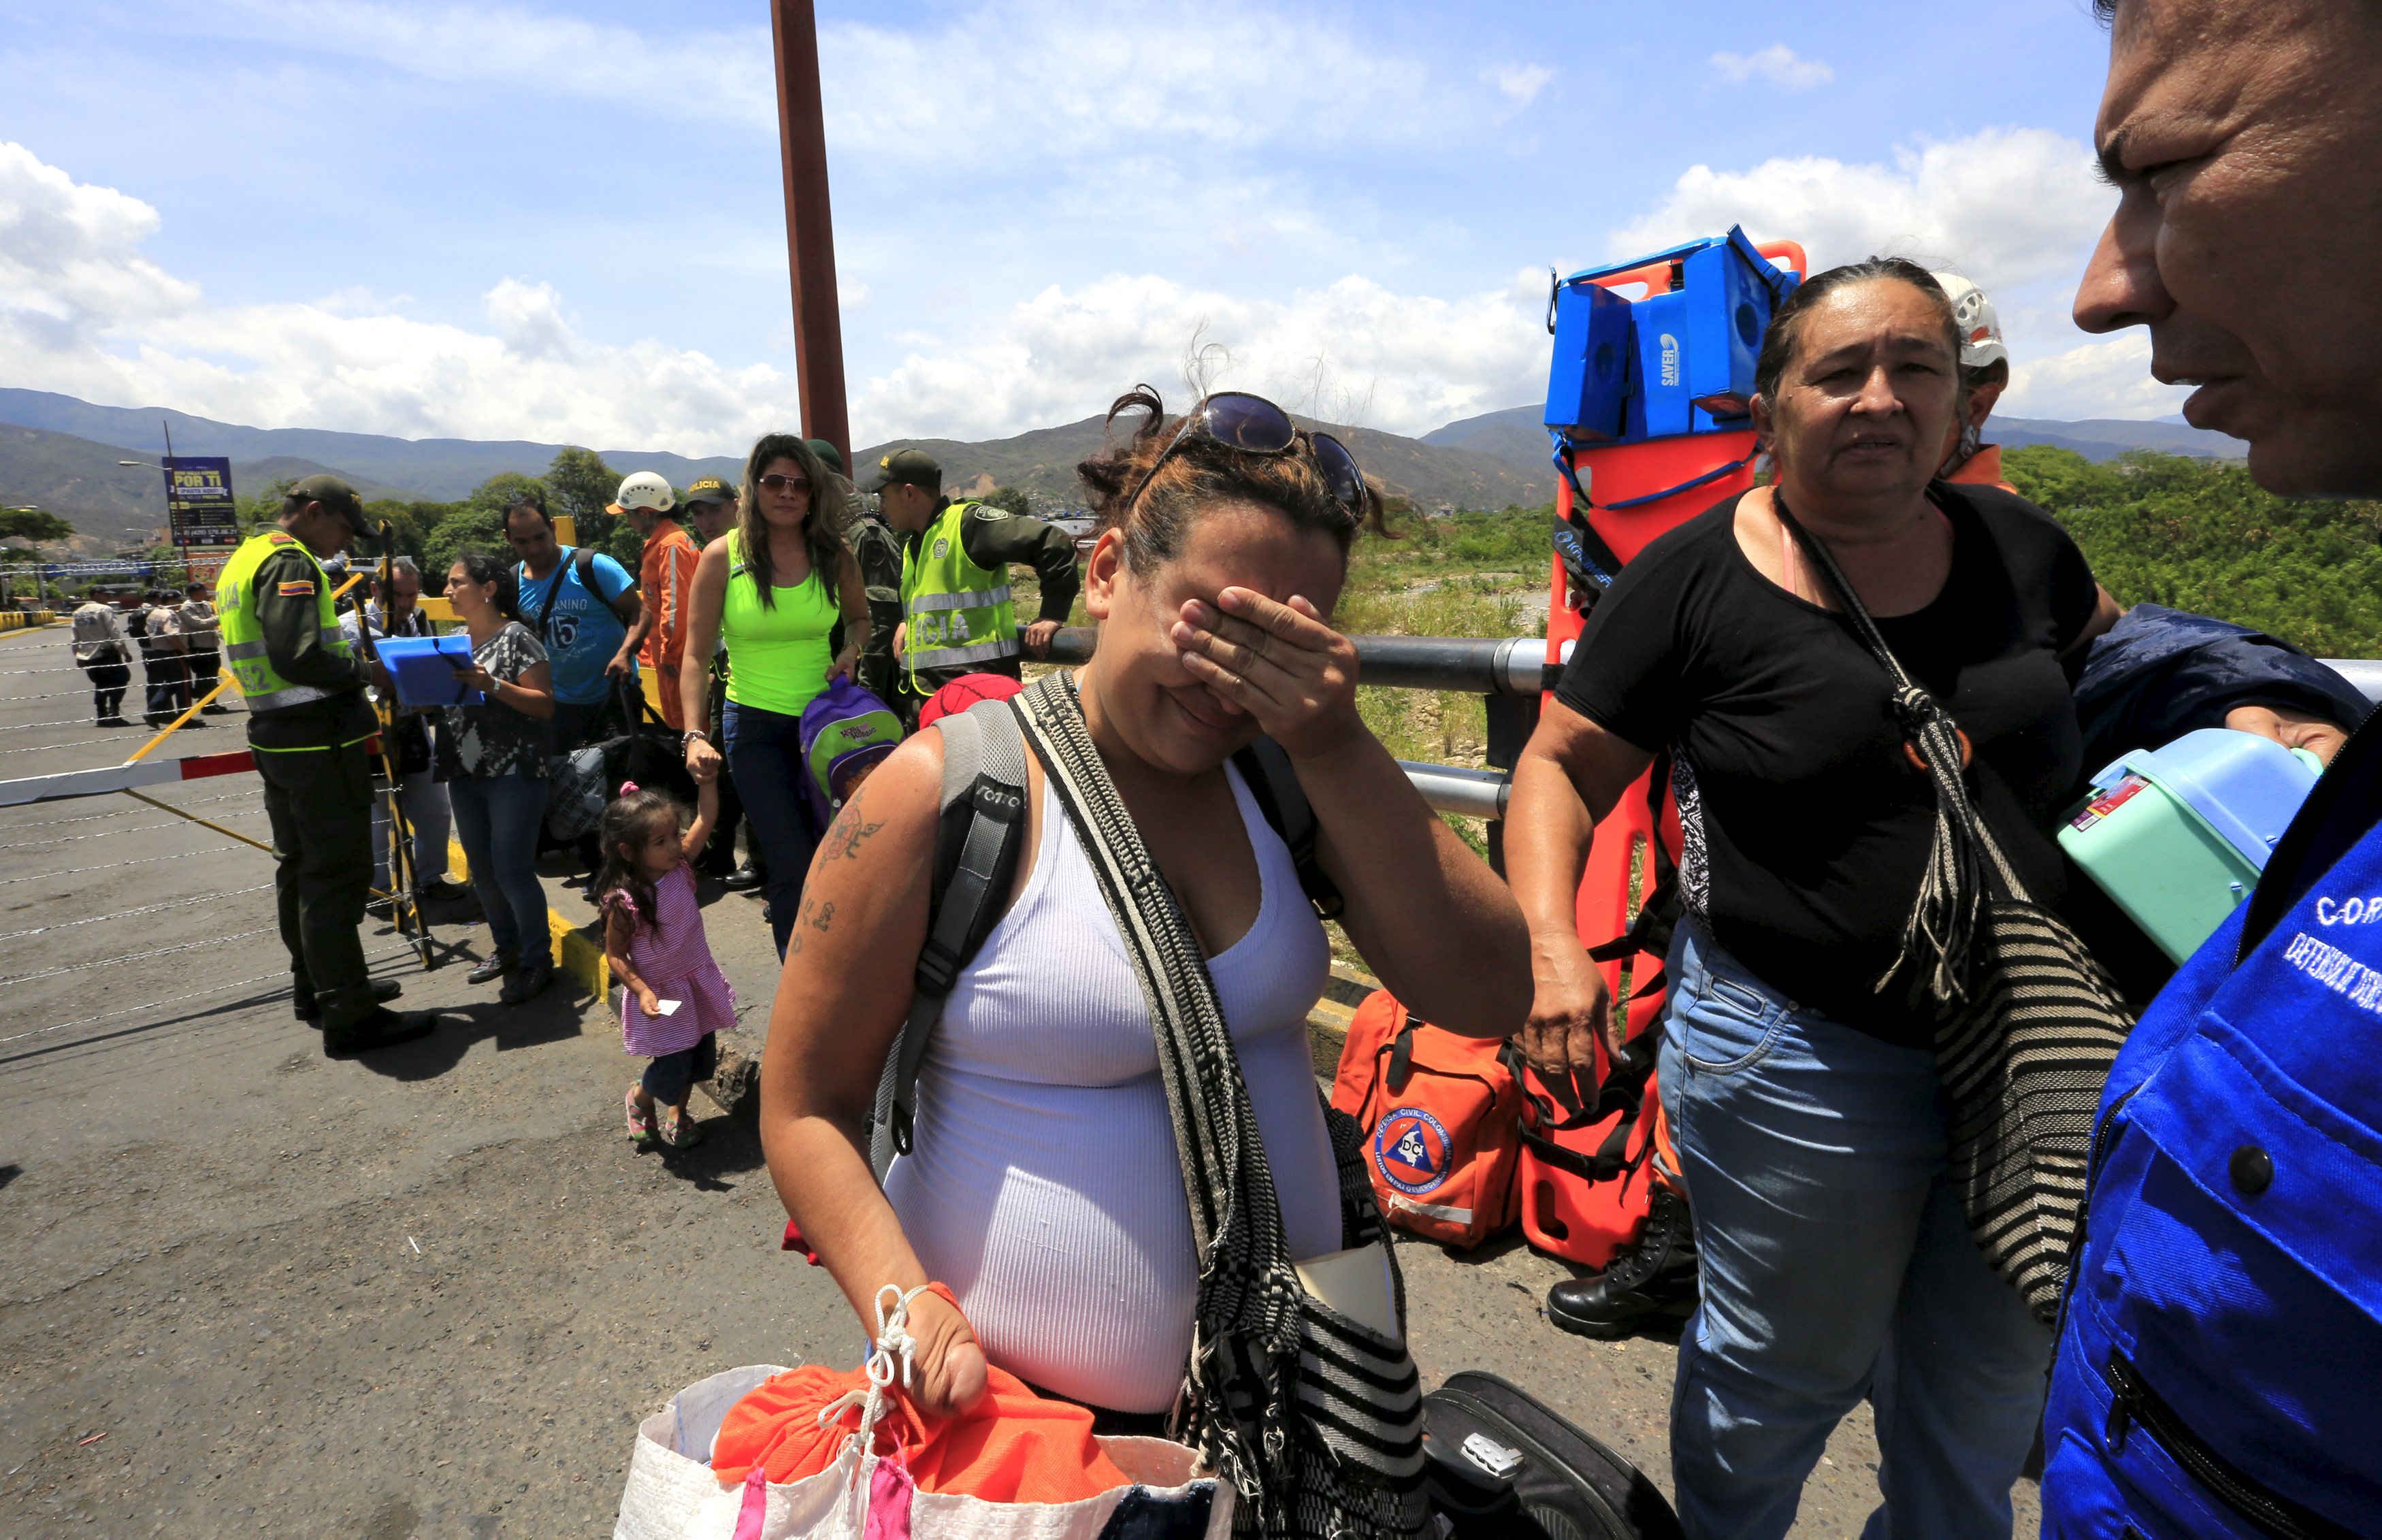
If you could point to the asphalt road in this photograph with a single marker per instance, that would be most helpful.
(245, 1288)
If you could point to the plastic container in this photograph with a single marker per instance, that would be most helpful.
(422, 668)
(1588, 389)
(2178, 836)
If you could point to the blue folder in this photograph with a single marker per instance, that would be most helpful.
(423, 668)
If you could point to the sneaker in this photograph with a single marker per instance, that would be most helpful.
(1649, 1283)
(641, 1121)
(495, 965)
(526, 983)
(383, 1028)
(441, 890)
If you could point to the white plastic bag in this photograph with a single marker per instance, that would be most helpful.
(672, 1494)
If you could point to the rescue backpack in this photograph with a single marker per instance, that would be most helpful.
(977, 836)
(1440, 1113)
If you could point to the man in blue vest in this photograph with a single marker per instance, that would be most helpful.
(2222, 1342)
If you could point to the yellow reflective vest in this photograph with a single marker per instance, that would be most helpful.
(243, 632)
(955, 612)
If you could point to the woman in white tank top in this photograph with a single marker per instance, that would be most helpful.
(1044, 1189)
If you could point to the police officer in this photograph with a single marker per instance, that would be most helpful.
(308, 723)
(956, 616)
(879, 551)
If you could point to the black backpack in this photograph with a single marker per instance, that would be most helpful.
(976, 859)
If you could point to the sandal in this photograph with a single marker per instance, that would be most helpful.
(641, 1122)
(679, 1129)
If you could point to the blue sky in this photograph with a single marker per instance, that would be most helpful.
(564, 220)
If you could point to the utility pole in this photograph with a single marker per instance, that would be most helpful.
(810, 233)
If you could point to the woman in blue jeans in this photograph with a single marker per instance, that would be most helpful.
(492, 758)
(769, 593)
(1796, 1066)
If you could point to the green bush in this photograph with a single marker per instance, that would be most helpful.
(2201, 535)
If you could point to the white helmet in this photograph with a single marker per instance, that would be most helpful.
(1981, 328)
(645, 489)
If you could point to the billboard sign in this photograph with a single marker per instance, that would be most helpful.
(199, 502)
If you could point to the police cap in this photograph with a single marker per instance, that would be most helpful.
(914, 467)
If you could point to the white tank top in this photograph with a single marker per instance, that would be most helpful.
(1044, 1186)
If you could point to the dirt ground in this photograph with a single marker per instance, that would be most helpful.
(245, 1288)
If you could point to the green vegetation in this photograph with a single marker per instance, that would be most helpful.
(2200, 535)
(34, 526)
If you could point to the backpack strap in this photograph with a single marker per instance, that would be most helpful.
(1282, 800)
(976, 838)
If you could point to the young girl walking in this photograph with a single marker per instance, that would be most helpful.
(674, 999)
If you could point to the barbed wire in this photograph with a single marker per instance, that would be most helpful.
(135, 913)
(80, 722)
(110, 834)
(95, 817)
(177, 999)
(135, 957)
(110, 866)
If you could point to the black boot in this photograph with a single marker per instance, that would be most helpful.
(303, 1005)
(1649, 1282)
(381, 1028)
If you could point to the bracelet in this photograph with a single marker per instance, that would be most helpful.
(689, 738)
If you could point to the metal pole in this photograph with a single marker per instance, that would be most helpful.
(1466, 665)
(810, 234)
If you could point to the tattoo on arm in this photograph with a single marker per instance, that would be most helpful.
(850, 829)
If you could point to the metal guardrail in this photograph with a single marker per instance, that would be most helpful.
(1513, 665)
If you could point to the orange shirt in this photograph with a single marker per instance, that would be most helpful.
(1982, 469)
(666, 574)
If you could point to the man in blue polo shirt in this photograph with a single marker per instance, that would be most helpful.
(584, 606)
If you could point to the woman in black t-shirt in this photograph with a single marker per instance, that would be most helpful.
(1801, 1090)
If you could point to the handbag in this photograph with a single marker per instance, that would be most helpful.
(2028, 1025)
(1314, 1416)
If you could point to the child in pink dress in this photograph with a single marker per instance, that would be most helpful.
(654, 940)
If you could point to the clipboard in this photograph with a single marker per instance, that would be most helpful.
(422, 668)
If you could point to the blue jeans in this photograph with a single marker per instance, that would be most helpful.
(765, 754)
(497, 817)
(1836, 1264)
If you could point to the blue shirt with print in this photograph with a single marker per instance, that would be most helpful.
(581, 633)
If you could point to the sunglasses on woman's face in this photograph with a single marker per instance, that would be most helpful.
(1256, 426)
(777, 481)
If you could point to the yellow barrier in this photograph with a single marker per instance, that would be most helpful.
(25, 619)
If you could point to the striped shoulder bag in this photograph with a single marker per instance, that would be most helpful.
(1314, 1417)
(2027, 1022)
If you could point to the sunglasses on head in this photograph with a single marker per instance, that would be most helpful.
(777, 481)
(1256, 426)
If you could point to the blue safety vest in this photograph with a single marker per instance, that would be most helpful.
(2220, 1359)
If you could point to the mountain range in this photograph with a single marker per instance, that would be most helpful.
(62, 454)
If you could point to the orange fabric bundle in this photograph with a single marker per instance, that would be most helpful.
(1012, 1446)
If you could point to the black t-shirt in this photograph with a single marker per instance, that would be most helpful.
(1806, 828)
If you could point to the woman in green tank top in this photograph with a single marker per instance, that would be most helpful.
(768, 593)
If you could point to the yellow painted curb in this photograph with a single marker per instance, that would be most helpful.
(576, 953)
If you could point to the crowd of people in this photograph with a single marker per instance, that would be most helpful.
(1118, 1160)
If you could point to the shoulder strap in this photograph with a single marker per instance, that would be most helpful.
(554, 592)
(1274, 784)
(983, 813)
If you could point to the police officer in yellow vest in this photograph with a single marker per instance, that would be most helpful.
(956, 614)
(308, 723)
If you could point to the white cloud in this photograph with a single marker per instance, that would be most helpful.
(2005, 206)
(1520, 82)
(2103, 377)
(1778, 63)
(82, 312)
(1354, 352)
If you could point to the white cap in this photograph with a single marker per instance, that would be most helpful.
(646, 489)
(1981, 328)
